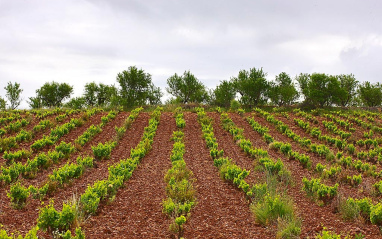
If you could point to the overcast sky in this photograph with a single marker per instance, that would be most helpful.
(78, 41)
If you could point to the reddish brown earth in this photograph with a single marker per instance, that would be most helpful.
(314, 217)
(233, 151)
(40, 134)
(136, 211)
(24, 219)
(221, 210)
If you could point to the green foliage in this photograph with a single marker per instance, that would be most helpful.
(376, 214)
(18, 195)
(283, 92)
(349, 209)
(88, 135)
(136, 88)
(370, 94)
(354, 180)
(103, 151)
(288, 228)
(65, 148)
(315, 188)
(51, 220)
(13, 93)
(347, 90)
(319, 89)
(223, 94)
(3, 103)
(234, 105)
(186, 88)
(252, 86)
(272, 207)
(76, 103)
(51, 94)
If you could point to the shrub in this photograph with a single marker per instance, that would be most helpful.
(315, 188)
(234, 105)
(349, 209)
(271, 208)
(18, 195)
(65, 148)
(376, 214)
(103, 151)
(288, 228)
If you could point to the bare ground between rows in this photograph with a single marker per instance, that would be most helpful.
(26, 144)
(233, 151)
(42, 175)
(368, 181)
(314, 217)
(136, 211)
(357, 135)
(221, 210)
(23, 220)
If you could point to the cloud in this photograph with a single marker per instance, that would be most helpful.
(82, 41)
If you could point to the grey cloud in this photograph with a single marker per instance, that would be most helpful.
(83, 41)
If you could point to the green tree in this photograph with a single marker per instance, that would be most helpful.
(155, 95)
(319, 89)
(135, 87)
(252, 86)
(223, 94)
(90, 94)
(347, 91)
(99, 95)
(52, 94)
(13, 94)
(35, 102)
(187, 88)
(76, 103)
(105, 94)
(370, 94)
(3, 103)
(283, 92)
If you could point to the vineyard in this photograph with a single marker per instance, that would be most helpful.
(198, 173)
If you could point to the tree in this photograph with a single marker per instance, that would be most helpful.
(252, 86)
(35, 102)
(13, 94)
(348, 86)
(370, 94)
(187, 88)
(3, 103)
(223, 94)
(319, 89)
(105, 93)
(52, 94)
(154, 95)
(135, 87)
(99, 95)
(283, 92)
(76, 103)
(90, 94)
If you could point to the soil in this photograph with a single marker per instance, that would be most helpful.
(222, 210)
(136, 211)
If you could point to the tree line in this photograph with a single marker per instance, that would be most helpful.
(249, 88)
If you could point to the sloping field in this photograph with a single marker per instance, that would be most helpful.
(197, 174)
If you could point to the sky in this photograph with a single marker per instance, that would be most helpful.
(77, 41)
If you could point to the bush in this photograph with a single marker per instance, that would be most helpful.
(234, 105)
(271, 208)
(376, 214)
(349, 209)
(315, 188)
(18, 195)
(103, 151)
(51, 220)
